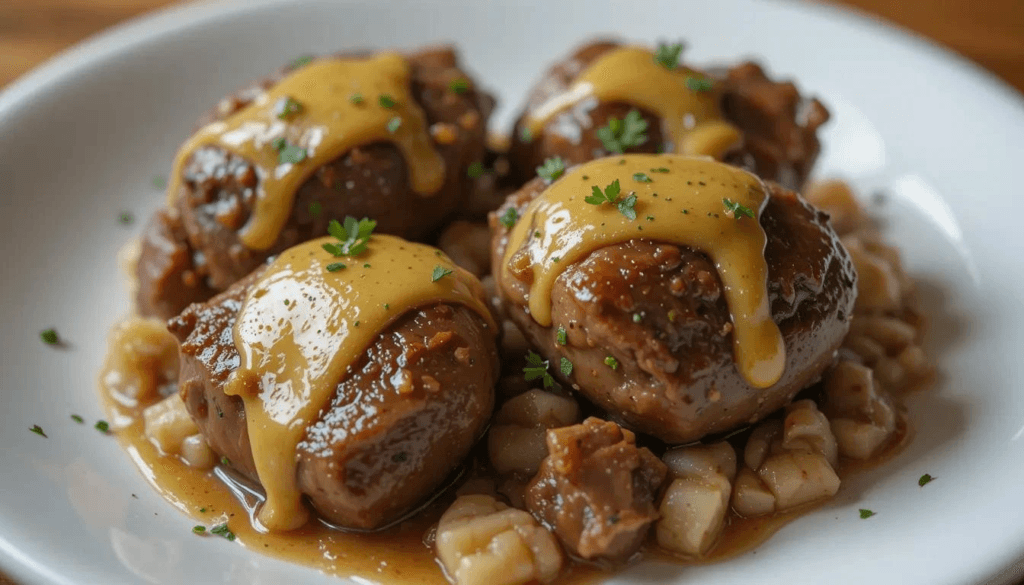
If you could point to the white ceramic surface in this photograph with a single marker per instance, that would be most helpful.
(81, 138)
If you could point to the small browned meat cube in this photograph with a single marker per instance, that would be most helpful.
(596, 490)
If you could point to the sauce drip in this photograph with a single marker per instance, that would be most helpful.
(327, 124)
(683, 206)
(301, 327)
(692, 119)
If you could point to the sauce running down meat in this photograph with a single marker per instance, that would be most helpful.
(303, 324)
(631, 75)
(313, 110)
(683, 206)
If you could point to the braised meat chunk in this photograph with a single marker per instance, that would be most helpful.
(596, 490)
(382, 135)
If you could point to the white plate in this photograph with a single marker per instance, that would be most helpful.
(81, 138)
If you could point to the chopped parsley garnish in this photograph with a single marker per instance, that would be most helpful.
(698, 83)
(354, 236)
(159, 182)
(198, 529)
(77, 419)
(224, 460)
(525, 135)
(610, 194)
(439, 273)
(49, 336)
(287, 107)
(509, 218)
(386, 101)
(125, 218)
(288, 153)
(315, 208)
(659, 170)
(394, 124)
(537, 368)
(356, 98)
(611, 362)
(552, 168)
(222, 530)
(303, 60)
(566, 367)
(668, 55)
(637, 317)
(475, 169)
(560, 336)
(925, 479)
(619, 135)
(335, 266)
(102, 426)
(739, 211)
(641, 178)
(38, 430)
(202, 510)
(866, 513)
(458, 85)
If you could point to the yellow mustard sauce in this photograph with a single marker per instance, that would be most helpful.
(692, 118)
(326, 122)
(300, 328)
(683, 203)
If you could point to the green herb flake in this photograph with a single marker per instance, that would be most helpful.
(637, 318)
(659, 170)
(525, 135)
(288, 153)
(222, 530)
(199, 529)
(607, 195)
(387, 306)
(642, 178)
(509, 218)
(301, 61)
(77, 419)
(102, 426)
(925, 479)
(335, 266)
(315, 208)
(626, 207)
(203, 510)
(386, 101)
(38, 430)
(566, 367)
(668, 55)
(353, 235)
(49, 336)
(475, 170)
(356, 99)
(611, 362)
(125, 218)
(439, 273)
(287, 107)
(628, 132)
(560, 336)
(537, 368)
(552, 168)
(866, 513)
(699, 84)
(459, 85)
(225, 461)
(394, 124)
(738, 210)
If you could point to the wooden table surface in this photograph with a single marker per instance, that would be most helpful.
(991, 32)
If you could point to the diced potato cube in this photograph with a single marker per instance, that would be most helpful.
(692, 514)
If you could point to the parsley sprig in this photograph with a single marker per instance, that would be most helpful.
(537, 368)
(552, 168)
(668, 55)
(287, 107)
(699, 84)
(353, 238)
(628, 132)
(738, 210)
(439, 273)
(610, 194)
(509, 218)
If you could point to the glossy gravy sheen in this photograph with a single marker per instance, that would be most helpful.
(681, 203)
(300, 328)
(328, 122)
(692, 118)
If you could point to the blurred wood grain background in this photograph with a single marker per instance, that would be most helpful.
(990, 32)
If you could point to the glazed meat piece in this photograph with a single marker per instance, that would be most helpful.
(647, 326)
(216, 198)
(778, 126)
(401, 419)
(596, 490)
